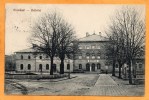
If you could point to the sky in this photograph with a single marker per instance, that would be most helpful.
(83, 17)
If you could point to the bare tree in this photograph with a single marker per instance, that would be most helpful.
(65, 42)
(128, 32)
(46, 33)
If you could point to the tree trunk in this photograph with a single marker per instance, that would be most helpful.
(62, 66)
(130, 76)
(120, 66)
(51, 70)
(113, 71)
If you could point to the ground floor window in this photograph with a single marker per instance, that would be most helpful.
(80, 66)
(54, 67)
(98, 66)
(68, 66)
(47, 66)
(29, 67)
(21, 67)
(40, 67)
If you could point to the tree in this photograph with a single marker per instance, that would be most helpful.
(65, 42)
(46, 33)
(128, 32)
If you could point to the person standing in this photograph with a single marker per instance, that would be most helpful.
(106, 69)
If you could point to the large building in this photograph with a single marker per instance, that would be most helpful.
(91, 55)
(89, 58)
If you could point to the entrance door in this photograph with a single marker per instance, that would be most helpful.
(93, 67)
(87, 67)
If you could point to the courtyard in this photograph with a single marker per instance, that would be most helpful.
(78, 84)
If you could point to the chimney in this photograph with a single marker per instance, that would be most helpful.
(87, 34)
(94, 33)
(99, 33)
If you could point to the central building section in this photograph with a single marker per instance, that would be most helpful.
(91, 54)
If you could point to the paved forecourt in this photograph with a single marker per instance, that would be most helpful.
(106, 86)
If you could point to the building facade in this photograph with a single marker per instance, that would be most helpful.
(27, 61)
(90, 58)
(91, 55)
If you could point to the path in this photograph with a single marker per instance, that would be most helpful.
(106, 86)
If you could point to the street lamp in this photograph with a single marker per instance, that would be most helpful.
(69, 68)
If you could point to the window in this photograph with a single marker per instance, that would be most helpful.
(93, 55)
(47, 66)
(40, 66)
(80, 47)
(80, 66)
(68, 66)
(21, 56)
(40, 57)
(21, 67)
(87, 55)
(116, 66)
(98, 55)
(98, 47)
(80, 56)
(29, 57)
(47, 56)
(29, 67)
(140, 66)
(93, 46)
(87, 47)
(98, 66)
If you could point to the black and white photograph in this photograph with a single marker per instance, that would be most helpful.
(75, 49)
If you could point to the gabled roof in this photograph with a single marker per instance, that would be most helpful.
(93, 37)
(26, 50)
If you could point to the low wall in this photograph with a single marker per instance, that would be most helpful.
(9, 76)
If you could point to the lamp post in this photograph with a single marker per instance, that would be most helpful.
(69, 68)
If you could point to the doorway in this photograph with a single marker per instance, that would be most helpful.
(93, 67)
(87, 67)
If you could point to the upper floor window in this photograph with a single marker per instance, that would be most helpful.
(93, 46)
(140, 65)
(80, 47)
(21, 56)
(87, 55)
(87, 47)
(29, 57)
(80, 57)
(98, 47)
(98, 55)
(29, 67)
(93, 55)
(40, 57)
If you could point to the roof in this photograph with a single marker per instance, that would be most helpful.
(93, 37)
(26, 50)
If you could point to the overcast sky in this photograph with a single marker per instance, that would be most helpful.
(84, 17)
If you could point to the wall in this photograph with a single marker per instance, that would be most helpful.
(36, 61)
